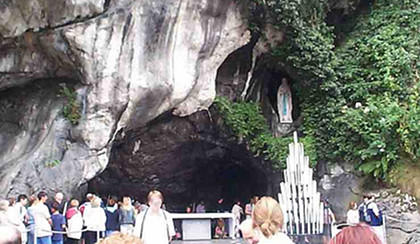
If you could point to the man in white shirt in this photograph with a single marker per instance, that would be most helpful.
(42, 220)
(155, 225)
(20, 206)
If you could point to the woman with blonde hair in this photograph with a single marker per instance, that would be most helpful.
(267, 219)
(74, 223)
(94, 218)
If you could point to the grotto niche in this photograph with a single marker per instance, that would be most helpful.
(189, 159)
(264, 88)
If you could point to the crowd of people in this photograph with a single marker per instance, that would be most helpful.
(56, 221)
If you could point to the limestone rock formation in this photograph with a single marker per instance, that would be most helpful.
(341, 185)
(190, 159)
(128, 61)
(401, 216)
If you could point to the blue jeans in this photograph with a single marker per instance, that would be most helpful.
(57, 242)
(44, 240)
(110, 232)
(30, 238)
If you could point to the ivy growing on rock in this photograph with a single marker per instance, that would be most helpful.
(72, 107)
(249, 125)
(360, 101)
(369, 114)
(307, 48)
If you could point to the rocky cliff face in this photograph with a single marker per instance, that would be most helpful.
(190, 159)
(129, 61)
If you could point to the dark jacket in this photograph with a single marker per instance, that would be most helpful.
(112, 219)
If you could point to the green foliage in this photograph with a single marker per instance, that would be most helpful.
(308, 45)
(245, 120)
(360, 101)
(72, 107)
(369, 113)
(52, 164)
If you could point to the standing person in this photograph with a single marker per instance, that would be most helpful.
(112, 217)
(250, 207)
(329, 220)
(201, 208)
(220, 206)
(127, 216)
(42, 220)
(373, 217)
(362, 209)
(267, 219)
(13, 214)
(87, 203)
(4, 206)
(155, 225)
(95, 219)
(74, 223)
(16, 219)
(58, 223)
(33, 202)
(237, 211)
(20, 206)
(84, 206)
(58, 200)
(353, 214)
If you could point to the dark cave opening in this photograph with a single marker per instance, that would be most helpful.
(228, 179)
(188, 159)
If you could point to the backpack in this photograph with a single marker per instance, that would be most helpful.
(362, 212)
(371, 218)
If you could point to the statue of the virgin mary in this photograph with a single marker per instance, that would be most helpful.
(284, 102)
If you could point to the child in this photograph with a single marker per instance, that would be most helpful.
(58, 223)
(353, 214)
(220, 232)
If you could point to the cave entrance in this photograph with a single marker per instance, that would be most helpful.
(231, 177)
(188, 159)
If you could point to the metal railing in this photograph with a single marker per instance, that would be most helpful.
(35, 230)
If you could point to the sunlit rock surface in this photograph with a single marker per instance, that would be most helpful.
(129, 62)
